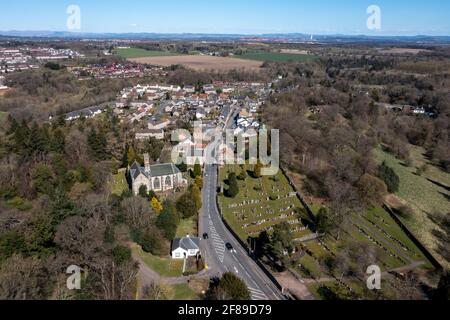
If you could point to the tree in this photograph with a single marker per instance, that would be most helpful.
(199, 182)
(229, 287)
(443, 290)
(143, 191)
(389, 176)
(187, 206)
(158, 292)
(131, 156)
(371, 189)
(323, 222)
(243, 174)
(138, 213)
(97, 145)
(43, 179)
(156, 205)
(196, 195)
(257, 170)
(121, 254)
(182, 167)
(58, 141)
(11, 243)
(153, 242)
(233, 187)
(197, 169)
(168, 220)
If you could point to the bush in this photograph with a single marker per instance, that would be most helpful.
(389, 177)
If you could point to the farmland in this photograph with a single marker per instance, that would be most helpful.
(277, 57)
(128, 53)
(200, 63)
(426, 194)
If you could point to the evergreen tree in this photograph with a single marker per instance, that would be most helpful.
(196, 195)
(197, 170)
(389, 177)
(97, 145)
(168, 220)
(58, 141)
(233, 187)
(143, 191)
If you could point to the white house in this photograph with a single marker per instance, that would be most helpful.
(186, 247)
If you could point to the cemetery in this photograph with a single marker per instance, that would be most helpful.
(261, 204)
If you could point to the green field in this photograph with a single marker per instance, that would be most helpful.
(141, 53)
(427, 194)
(187, 227)
(119, 183)
(252, 211)
(183, 292)
(277, 57)
(165, 267)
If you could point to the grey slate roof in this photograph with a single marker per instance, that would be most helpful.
(157, 170)
(186, 243)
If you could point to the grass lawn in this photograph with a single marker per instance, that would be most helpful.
(119, 183)
(184, 292)
(187, 227)
(426, 195)
(166, 266)
(3, 115)
(277, 57)
(140, 53)
(253, 211)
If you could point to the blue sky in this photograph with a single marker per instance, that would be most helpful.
(399, 17)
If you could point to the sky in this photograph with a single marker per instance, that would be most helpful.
(398, 17)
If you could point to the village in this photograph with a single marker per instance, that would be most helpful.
(26, 58)
(124, 70)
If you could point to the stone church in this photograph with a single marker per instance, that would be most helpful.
(158, 177)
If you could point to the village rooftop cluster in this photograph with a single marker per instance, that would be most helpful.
(117, 71)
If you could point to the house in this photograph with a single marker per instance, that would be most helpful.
(189, 89)
(158, 125)
(158, 177)
(147, 134)
(186, 247)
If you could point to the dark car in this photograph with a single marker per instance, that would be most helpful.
(229, 246)
(205, 236)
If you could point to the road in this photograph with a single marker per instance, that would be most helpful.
(217, 257)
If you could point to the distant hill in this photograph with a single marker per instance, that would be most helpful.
(290, 37)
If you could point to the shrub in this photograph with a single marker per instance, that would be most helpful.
(389, 177)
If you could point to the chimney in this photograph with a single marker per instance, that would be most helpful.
(147, 163)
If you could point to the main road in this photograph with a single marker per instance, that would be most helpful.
(218, 258)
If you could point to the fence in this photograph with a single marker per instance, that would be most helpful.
(413, 238)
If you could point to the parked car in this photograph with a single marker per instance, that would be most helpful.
(205, 236)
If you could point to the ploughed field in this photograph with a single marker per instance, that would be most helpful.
(199, 62)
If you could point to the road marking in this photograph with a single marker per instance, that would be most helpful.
(218, 243)
(257, 294)
(236, 270)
